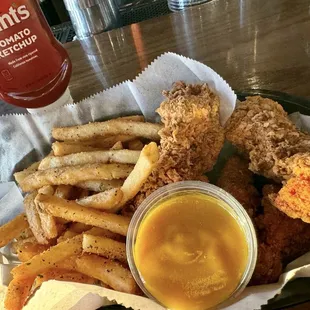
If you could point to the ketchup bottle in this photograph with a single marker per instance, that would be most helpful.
(34, 67)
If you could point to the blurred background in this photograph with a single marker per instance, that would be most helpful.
(70, 19)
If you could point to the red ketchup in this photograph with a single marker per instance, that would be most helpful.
(34, 67)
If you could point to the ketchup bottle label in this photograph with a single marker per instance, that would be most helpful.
(35, 68)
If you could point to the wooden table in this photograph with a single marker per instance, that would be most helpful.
(251, 43)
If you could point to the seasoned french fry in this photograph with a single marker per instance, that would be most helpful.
(65, 148)
(109, 272)
(12, 229)
(20, 176)
(27, 250)
(72, 211)
(79, 227)
(147, 161)
(27, 233)
(108, 142)
(49, 258)
(104, 201)
(68, 264)
(108, 128)
(75, 174)
(17, 293)
(48, 222)
(62, 275)
(105, 247)
(117, 146)
(100, 185)
(33, 218)
(67, 235)
(96, 231)
(97, 144)
(114, 156)
(63, 191)
(47, 190)
(132, 118)
(135, 145)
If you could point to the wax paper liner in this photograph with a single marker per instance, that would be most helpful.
(26, 138)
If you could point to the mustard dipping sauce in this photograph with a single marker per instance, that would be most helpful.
(190, 252)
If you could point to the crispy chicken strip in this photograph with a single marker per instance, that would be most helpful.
(260, 128)
(277, 149)
(237, 179)
(294, 198)
(281, 239)
(191, 139)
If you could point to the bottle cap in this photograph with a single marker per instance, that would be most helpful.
(62, 101)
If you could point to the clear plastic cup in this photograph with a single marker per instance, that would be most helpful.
(230, 204)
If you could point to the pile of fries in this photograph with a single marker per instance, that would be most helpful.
(72, 229)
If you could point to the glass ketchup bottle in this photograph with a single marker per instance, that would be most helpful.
(34, 67)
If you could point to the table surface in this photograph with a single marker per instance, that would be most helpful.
(251, 43)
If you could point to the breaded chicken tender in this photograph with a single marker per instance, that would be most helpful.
(191, 139)
(281, 239)
(237, 179)
(260, 128)
(294, 197)
(277, 149)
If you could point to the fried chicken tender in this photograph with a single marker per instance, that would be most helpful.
(277, 149)
(260, 128)
(191, 139)
(294, 197)
(281, 239)
(237, 179)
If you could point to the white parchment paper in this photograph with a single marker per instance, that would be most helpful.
(26, 138)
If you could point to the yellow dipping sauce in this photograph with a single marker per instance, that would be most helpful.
(190, 252)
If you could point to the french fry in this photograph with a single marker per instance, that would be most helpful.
(114, 156)
(27, 250)
(48, 258)
(17, 293)
(96, 231)
(100, 185)
(62, 275)
(72, 211)
(105, 247)
(135, 145)
(108, 128)
(117, 146)
(72, 147)
(109, 272)
(67, 235)
(25, 234)
(63, 191)
(132, 118)
(33, 218)
(20, 176)
(66, 148)
(146, 163)
(68, 264)
(75, 174)
(79, 227)
(104, 201)
(48, 222)
(13, 229)
(47, 190)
